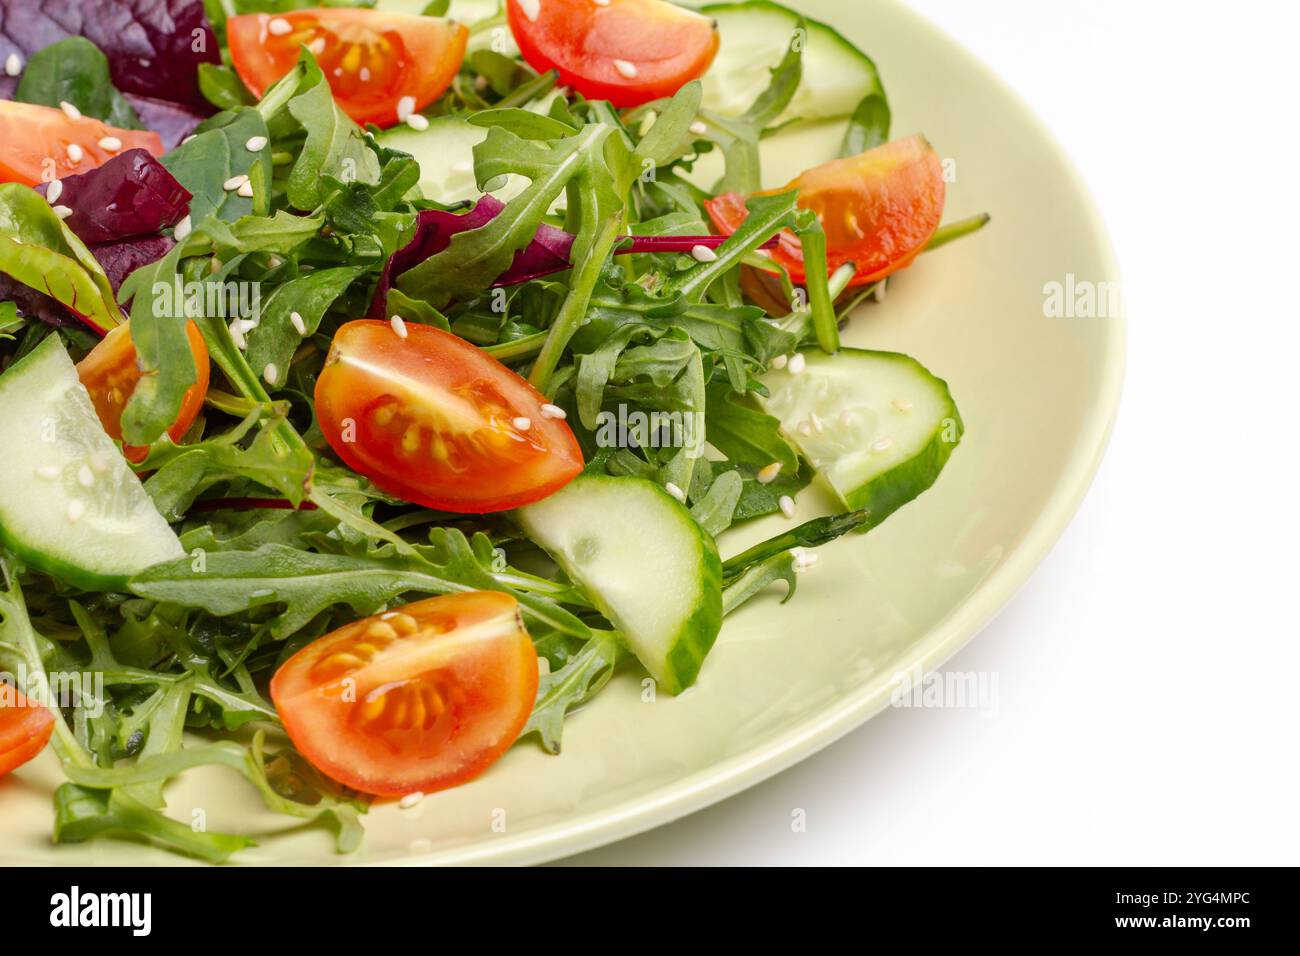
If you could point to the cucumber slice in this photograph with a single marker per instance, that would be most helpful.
(754, 38)
(877, 425)
(69, 504)
(646, 564)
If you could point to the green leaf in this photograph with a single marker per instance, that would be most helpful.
(214, 157)
(585, 673)
(751, 581)
(232, 582)
(223, 88)
(868, 127)
(744, 434)
(716, 510)
(768, 215)
(275, 339)
(671, 134)
(75, 71)
(335, 145)
(39, 251)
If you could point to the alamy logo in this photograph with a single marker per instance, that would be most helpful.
(133, 910)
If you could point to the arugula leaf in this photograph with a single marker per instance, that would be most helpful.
(39, 251)
(868, 127)
(810, 534)
(767, 215)
(275, 339)
(335, 146)
(233, 582)
(744, 434)
(75, 71)
(217, 154)
(756, 577)
(585, 673)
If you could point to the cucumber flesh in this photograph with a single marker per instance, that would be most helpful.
(644, 561)
(69, 503)
(755, 36)
(876, 425)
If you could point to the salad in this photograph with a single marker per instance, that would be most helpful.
(376, 381)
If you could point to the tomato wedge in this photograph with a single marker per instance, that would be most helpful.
(879, 209)
(374, 60)
(436, 421)
(110, 374)
(418, 699)
(25, 728)
(626, 51)
(39, 144)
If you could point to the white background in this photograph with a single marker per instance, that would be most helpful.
(1147, 673)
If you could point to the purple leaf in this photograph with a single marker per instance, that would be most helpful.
(130, 195)
(124, 256)
(154, 47)
(172, 121)
(547, 254)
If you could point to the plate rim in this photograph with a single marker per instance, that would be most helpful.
(725, 779)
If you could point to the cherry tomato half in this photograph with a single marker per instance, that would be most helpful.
(436, 421)
(372, 59)
(879, 209)
(39, 144)
(626, 51)
(25, 728)
(110, 374)
(421, 698)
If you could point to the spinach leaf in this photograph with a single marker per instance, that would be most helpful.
(217, 155)
(75, 71)
(868, 127)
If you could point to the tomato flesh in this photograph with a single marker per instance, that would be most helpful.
(35, 141)
(372, 59)
(25, 728)
(110, 374)
(418, 699)
(879, 209)
(434, 420)
(626, 51)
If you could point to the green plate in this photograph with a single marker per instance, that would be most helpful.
(1038, 396)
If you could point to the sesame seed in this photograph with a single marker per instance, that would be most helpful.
(255, 144)
(882, 444)
(48, 471)
(85, 477)
(70, 111)
(183, 228)
(76, 508)
(245, 188)
(298, 324)
(13, 64)
(803, 559)
(279, 27)
(63, 212)
(233, 183)
(399, 326)
(237, 335)
(815, 422)
(805, 428)
(543, 666)
(75, 153)
(704, 254)
(98, 463)
(780, 361)
(214, 265)
(270, 372)
(786, 503)
(699, 128)
(522, 423)
(553, 411)
(902, 404)
(187, 139)
(365, 74)
(410, 800)
(53, 191)
(601, 3)
(797, 363)
(111, 144)
(767, 474)
(675, 492)
(879, 294)
(405, 107)
(532, 9)
(418, 122)
(626, 69)
(317, 47)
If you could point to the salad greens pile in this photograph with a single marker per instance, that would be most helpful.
(282, 543)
